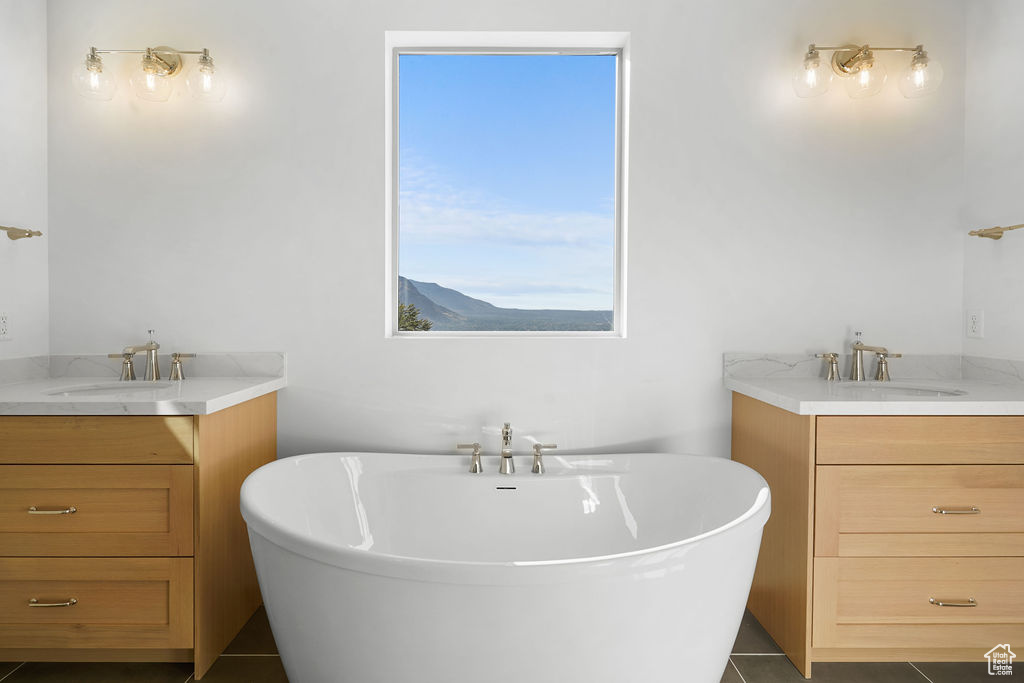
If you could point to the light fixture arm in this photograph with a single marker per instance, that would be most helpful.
(163, 60)
(20, 233)
(996, 232)
(847, 59)
(154, 50)
(917, 48)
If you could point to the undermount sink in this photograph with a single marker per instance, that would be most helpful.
(111, 389)
(889, 390)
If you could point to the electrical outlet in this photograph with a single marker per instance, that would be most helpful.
(5, 327)
(976, 324)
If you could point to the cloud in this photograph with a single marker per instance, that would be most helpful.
(482, 245)
(434, 212)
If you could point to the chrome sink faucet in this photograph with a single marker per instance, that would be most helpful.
(508, 466)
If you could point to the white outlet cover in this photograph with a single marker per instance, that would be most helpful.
(5, 327)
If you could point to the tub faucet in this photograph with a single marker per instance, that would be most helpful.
(508, 466)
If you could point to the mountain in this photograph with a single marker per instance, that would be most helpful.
(452, 310)
(453, 300)
(408, 293)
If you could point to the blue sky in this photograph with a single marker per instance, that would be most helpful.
(507, 177)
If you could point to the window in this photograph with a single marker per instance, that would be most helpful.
(506, 183)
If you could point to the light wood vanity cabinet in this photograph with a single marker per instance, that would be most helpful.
(858, 550)
(153, 563)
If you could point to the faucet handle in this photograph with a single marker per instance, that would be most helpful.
(474, 466)
(127, 364)
(833, 365)
(538, 462)
(177, 370)
(882, 374)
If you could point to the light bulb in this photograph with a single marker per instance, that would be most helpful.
(150, 81)
(867, 80)
(204, 81)
(91, 81)
(922, 77)
(813, 77)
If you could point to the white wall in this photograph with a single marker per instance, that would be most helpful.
(994, 270)
(757, 221)
(24, 289)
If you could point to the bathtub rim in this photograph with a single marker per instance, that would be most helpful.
(441, 570)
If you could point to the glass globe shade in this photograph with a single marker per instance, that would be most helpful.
(866, 81)
(149, 85)
(921, 79)
(812, 78)
(206, 83)
(92, 82)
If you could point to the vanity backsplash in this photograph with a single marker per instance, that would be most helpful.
(937, 366)
(239, 364)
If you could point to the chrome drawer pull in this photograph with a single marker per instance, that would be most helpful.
(59, 511)
(956, 511)
(938, 603)
(70, 603)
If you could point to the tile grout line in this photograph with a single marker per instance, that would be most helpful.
(11, 672)
(920, 672)
(737, 670)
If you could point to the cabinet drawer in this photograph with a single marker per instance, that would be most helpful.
(907, 440)
(118, 510)
(118, 602)
(87, 440)
(890, 510)
(886, 602)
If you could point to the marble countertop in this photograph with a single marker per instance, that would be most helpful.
(88, 385)
(101, 396)
(815, 396)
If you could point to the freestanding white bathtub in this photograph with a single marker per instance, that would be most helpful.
(385, 568)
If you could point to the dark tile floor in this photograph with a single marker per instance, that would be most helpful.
(252, 658)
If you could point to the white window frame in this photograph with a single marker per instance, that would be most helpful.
(503, 42)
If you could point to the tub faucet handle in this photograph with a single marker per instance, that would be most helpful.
(538, 456)
(474, 466)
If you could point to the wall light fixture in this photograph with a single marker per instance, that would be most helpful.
(20, 233)
(995, 233)
(151, 80)
(862, 75)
